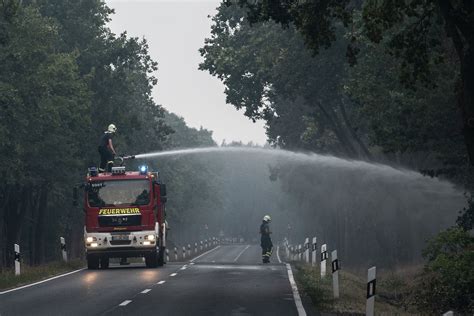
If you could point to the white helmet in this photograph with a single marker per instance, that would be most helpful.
(112, 128)
(267, 218)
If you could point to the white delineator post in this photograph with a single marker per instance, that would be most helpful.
(176, 253)
(371, 282)
(201, 245)
(195, 247)
(189, 250)
(163, 242)
(300, 252)
(335, 273)
(205, 243)
(17, 259)
(324, 257)
(167, 255)
(314, 251)
(63, 248)
(184, 252)
(306, 250)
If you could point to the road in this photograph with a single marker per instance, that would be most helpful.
(226, 280)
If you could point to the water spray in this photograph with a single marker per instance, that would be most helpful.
(312, 158)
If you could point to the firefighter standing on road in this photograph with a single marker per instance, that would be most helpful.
(106, 149)
(266, 240)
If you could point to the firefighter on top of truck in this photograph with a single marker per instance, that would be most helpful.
(106, 149)
(265, 239)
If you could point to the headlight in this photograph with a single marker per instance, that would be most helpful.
(91, 239)
(94, 244)
(150, 237)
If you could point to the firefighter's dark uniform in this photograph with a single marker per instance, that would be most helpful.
(106, 155)
(266, 242)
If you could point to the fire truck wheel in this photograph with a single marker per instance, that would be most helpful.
(104, 263)
(92, 263)
(151, 260)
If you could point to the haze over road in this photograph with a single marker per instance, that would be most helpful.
(227, 280)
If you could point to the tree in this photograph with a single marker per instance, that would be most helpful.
(408, 25)
(44, 106)
(268, 72)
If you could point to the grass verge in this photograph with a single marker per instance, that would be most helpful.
(31, 274)
(392, 293)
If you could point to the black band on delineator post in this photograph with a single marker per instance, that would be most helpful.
(335, 265)
(371, 288)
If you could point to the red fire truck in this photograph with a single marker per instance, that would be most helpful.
(125, 216)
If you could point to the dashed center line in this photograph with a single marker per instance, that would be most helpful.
(238, 256)
(183, 268)
(173, 274)
(146, 291)
(125, 303)
(161, 282)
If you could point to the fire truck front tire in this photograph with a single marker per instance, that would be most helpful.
(151, 260)
(92, 263)
(104, 263)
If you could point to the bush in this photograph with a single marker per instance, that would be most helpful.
(447, 281)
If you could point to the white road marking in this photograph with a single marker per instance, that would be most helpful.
(238, 256)
(278, 253)
(125, 303)
(195, 258)
(296, 295)
(183, 268)
(161, 282)
(43, 281)
(145, 291)
(192, 263)
(173, 274)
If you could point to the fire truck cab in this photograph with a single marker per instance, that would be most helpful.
(124, 216)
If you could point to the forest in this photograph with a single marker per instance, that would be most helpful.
(64, 77)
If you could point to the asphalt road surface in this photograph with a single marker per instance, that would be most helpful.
(226, 280)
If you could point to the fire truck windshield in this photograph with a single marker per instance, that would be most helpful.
(119, 192)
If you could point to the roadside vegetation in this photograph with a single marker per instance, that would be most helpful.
(394, 292)
(31, 274)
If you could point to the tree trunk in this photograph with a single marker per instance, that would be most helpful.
(467, 101)
(460, 28)
(346, 143)
(39, 231)
(353, 133)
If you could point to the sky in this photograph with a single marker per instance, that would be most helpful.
(175, 30)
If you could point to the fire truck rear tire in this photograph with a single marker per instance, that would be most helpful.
(104, 263)
(92, 263)
(151, 260)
